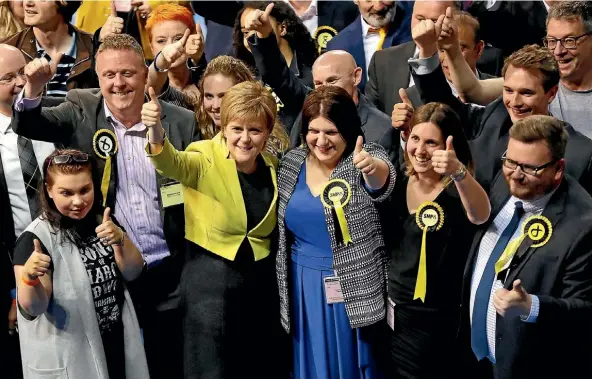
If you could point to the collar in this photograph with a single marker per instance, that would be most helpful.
(310, 12)
(534, 206)
(366, 27)
(72, 50)
(4, 123)
(118, 124)
(546, 5)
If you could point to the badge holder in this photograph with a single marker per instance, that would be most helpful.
(171, 193)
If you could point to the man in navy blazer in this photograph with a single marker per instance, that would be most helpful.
(393, 17)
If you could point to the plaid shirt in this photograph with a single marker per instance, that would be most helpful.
(361, 265)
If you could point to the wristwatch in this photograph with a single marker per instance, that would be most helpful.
(460, 174)
(157, 67)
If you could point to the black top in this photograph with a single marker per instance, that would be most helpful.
(446, 252)
(105, 283)
(258, 193)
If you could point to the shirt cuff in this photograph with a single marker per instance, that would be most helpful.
(22, 104)
(533, 312)
(424, 66)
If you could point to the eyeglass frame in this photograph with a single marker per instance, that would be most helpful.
(536, 169)
(76, 158)
(562, 40)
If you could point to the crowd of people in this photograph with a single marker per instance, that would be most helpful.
(296, 189)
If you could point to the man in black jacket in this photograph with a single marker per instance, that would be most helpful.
(106, 123)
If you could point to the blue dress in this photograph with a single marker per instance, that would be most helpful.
(324, 345)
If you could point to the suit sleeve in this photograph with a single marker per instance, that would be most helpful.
(371, 90)
(573, 307)
(188, 167)
(55, 124)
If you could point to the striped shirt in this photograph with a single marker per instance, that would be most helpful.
(136, 204)
(502, 220)
(57, 85)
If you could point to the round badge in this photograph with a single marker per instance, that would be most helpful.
(431, 216)
(538, 229)
(323, 35)
(336, 193)
(105, 143)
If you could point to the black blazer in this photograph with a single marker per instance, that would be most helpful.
(488, 127)
(558, 344)
(74, 123)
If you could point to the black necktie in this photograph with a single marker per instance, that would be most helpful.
(31, 175)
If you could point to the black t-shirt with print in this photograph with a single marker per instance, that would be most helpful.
(106, 285)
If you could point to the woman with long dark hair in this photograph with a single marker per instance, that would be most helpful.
(75, 315)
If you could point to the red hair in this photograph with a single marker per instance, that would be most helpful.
(170, 12)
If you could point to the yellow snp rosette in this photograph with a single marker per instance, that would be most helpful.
(323, 35)
(537, 228)
(105, 146)
(430, 217)
(335, 195)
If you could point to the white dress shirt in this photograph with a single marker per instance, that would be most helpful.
(370, 43)
(21, 214)
(309, 18)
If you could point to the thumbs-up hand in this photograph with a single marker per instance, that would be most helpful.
(113, 24)
(109, 233)
(445, 162)
(194, 48)
(362, 159)
(402, 114)
(449, 37)
(38, 263)
(513, 303)
(259, 21)
(426, 34)
(39, 72)
(173, 52)
(151, 117)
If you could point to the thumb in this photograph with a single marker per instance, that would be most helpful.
(358, 147)
(37, 246)
(266, 16)
(106, 214)
(438, 26)
(517, 286)
(449, 12)
(55, 60)
(152, 95)
(113, 9)
(199, 29)
(183, 39)
(450, 143)
(404, 96)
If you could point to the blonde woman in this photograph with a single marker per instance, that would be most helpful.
(11, 18)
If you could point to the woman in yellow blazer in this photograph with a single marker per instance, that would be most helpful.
(230, 302)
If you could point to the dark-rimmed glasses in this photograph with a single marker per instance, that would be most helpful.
(569, 43)
(525, 168)
(67, 158)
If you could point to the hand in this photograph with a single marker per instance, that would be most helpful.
(363, 161)
(194, 47)
(172, 52)
(142, 7)
(259, 21)
(449, 37)
(445, 162)
(402, 114)
(426, 34)
(513, 303)
(151, 117)
(38, 263)
(113, 25)
(108, 232)
(39, 72)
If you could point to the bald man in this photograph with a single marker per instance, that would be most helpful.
(336, 67)
(13, 194)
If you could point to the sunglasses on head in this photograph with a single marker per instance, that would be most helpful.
(67, 158)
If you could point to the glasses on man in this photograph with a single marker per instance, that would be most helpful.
(568, 43)
(525, 168)
(67, 158)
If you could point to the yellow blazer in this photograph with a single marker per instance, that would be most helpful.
(215, 216)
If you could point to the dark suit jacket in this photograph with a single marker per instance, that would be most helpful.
(220, 20)
(350, 39)
(558, 344)
(74, 123)
(510, 25)
(488, 127)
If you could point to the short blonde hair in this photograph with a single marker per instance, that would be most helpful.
(121, 42)
(249, 101)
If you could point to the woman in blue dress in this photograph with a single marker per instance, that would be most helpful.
(332, 261)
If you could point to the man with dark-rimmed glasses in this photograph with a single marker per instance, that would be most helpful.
(569, 39)
(527, 282)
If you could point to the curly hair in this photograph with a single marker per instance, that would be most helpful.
(297, 35)
(237, 72)
(169, 12)
(9, 25)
